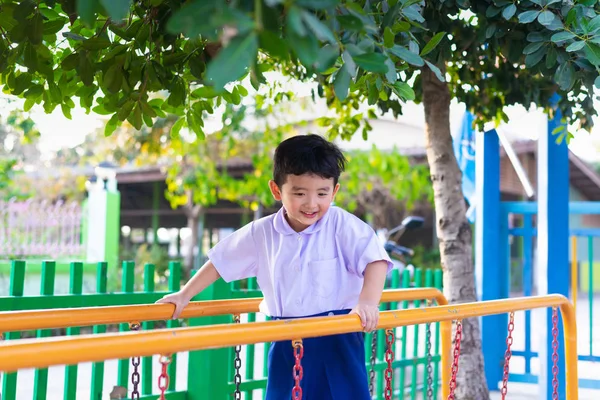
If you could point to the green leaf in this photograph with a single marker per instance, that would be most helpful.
(509, 12)
(178, 93)
(575, 46)
(85, 69)
(389, 38)
(306, 48)
(35, 30)
(125, 110)
(592, 52)
(597, 82)
(546, 17)
(113, 79)
(327, 57)
(432, 44)
(565, 76)
(528, 16)
(407, 55)
(536, 37)
(205, 92)
(96, 43)
(54, 26)
(117, 9)
(350, 64)
(177, 127)
(7, 22)
(551, 57)
(24, 10)
(233, 61)
(66, 111)
(436, 71)
(111, 125)
(492, 11)
(274, 44)
(562, 36)
(372, 62)
(403, 91)
(191, 19)
(87, 11)
(350, 22)
(534, 58)
(391, 75)
(294, 22)
(533, 47)
(341, 84)
(317, 4)
(320, 30)
(30, 57)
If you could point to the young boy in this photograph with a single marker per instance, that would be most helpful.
(310, 259)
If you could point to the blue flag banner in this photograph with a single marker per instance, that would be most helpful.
(464, 151)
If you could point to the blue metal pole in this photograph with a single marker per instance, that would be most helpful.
(553, 244)
(491, 263)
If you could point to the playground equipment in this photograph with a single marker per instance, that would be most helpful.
(70, 350)
(13, 321)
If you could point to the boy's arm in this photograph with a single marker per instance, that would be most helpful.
(205, 276)
(368, 301)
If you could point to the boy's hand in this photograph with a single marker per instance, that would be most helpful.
(178, 299)
(369, 315)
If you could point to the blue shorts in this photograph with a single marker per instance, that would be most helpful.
(333, 367)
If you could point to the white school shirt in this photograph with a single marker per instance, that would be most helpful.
(301, 273)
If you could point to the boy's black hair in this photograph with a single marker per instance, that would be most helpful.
(310, 154)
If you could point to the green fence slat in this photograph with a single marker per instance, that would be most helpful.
(17, 283)
(415, 368)
(127, 286)
(40, 382)
(98, 367)
(76, 285)
(149, 271)
(438, 277)
(428, 283)
(174, 285)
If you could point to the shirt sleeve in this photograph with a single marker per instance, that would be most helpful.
(235, 256)
(361, 244)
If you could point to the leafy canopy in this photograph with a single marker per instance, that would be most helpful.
(116, 57)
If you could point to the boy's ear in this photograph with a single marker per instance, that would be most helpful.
(335, 190)
(275, 190)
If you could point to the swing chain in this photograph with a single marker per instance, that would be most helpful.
(298, 371)
(163, 379)
(429, 360)
(389, 358)
(554, 353)
(373, 360)
(455, 360)
(135, 362)
(508, 354)
(238, 365)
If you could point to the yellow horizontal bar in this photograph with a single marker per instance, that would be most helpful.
(15, 321)
(44, 352)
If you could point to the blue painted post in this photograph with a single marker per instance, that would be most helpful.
(490, 268)
(553, 244)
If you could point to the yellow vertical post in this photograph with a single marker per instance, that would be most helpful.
(574, 270)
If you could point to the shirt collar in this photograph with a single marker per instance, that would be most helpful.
(283, 227)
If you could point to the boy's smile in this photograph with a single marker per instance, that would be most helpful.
(306, 198)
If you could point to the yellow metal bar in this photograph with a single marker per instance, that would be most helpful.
(30, 353)
(15, 321)
(574, 271)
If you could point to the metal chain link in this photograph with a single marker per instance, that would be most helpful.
(373, 361)
(237, 379)
(508, 354)
(389, 358)
(554, 353)
(298, 372)
(163, 379)
(135, 362)
(429, 359)
(455, 360)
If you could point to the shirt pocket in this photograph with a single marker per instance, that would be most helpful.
(324, 277)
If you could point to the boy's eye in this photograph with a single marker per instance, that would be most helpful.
(298, 194)
(322, 194)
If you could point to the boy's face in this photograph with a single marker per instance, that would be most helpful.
(306, 198)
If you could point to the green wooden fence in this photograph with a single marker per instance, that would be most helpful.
(210, 372)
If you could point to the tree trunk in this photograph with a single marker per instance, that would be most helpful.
(454, 232)
(192, 212)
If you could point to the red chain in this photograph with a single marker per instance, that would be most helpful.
(455, 361)
(554, 353)
(389, 358)
(508, 354)
(298, 372)
(163, 379)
